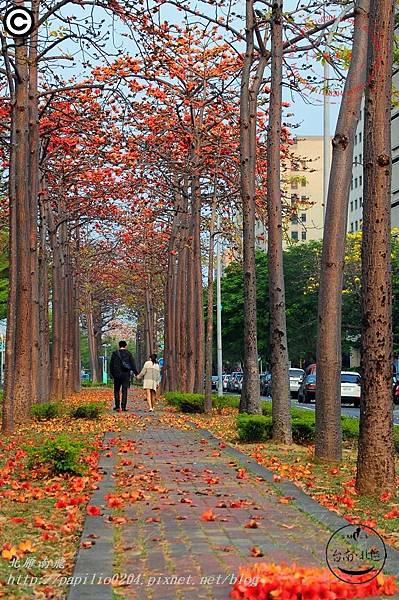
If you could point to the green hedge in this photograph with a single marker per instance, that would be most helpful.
(257, 428)
(194, 403)
(46, 411)
(90, 410)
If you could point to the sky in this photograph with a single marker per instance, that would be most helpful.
(307, 116)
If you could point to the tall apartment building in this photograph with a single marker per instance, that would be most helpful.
(355, 208)
(303, 190)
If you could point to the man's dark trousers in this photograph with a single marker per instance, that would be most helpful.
(123, 382)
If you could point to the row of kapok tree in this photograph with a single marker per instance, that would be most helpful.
(193, 152)
(271, 39)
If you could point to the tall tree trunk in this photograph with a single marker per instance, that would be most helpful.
(169, 379)
(44, 334)
(18, 393)
(250, 396)
(281, 405)
(149, 318)
(36, 372)
(93, 355)
(328, 356)
(191, 304)
(198, 292)
(76, 313)
(181, 306)
(376, 457)
(209, 324)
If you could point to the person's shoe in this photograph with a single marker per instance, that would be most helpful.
(115, 408)
(124, 409)
(151, 410)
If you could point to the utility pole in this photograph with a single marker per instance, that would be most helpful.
(219, 309)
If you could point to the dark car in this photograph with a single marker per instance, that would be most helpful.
(215, 380)
(266, 384)
(307, 389)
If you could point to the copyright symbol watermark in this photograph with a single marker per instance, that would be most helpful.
(18, 21)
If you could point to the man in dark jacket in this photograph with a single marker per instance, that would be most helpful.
(121, 365)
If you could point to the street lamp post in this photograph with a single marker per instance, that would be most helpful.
(105, 364)
(219, 312)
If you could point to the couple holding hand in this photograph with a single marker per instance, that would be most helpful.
(122, 365)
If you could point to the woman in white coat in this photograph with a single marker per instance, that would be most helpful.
(152, 376)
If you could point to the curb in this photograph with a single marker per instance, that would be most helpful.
(305, 503)
(94, 564)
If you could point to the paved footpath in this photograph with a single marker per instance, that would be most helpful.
(167, 545)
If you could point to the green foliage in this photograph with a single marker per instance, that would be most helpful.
(61, 455)
(89, 410)
(187, 403)
(46, 411)
(194, 403)
(254, 428)
(301, 273)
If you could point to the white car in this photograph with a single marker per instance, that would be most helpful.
(350, 387)
(296, 376)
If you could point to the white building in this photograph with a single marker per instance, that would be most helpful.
(355, 207)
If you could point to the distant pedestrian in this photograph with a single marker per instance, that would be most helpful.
(121, 366)
(152, 376)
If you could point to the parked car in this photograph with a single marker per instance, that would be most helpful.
(235, 383)
(395, 388)
(215, 380)
(84, 375)
(307, 389)
(296, 376)
(350, 387)
(266, 384)
(226, 379)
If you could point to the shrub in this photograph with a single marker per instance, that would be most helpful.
(254, 428)
(61, 455)
(46, 411)
(303, 432)
(89, 410)
(194, 403)
(187, 403)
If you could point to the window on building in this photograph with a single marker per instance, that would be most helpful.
(356, 226)
(303, 217)
(355, 139)
(352, 184)
(355, 203)
(355, 182)
(355, 160)
(303, 182)
(294, 219)
(360, 158)
(294, 235)
(304, 235)
(304, 198)
(352, 227)
(360, 137)
(294, 184)
(360, 202)
(351, 205)
(361, 224)
(304, 165)
(360, 180)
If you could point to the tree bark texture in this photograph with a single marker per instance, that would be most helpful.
(376, 456)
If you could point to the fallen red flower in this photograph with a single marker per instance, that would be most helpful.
(267, 581)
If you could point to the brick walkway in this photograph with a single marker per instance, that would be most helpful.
(167, 536)
(164, 547)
